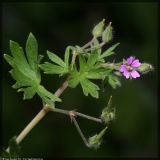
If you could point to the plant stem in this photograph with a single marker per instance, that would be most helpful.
(74, 54)
(77, 114)
(89, 117)
(87, 44)
(61, 89)
(97, 47)
(31, 125)
(80, 132)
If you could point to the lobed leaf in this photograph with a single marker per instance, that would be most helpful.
(29, 92)
(50, 68)
(93, 58)
(66, 55)
(95, 74)
(25, 69)
(114, 81)
(48, 97)
(109, 51)
(32, 52)
(89, 88)
(54, 58)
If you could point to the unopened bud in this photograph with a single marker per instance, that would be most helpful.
(107, 33)
(97, 30)
(108, 113)
(145, 68)
(96, 140)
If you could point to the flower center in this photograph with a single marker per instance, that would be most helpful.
(129, 68)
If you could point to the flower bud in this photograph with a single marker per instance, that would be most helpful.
(108, 116)
(108, 113)
(107, 33)
(145, 68)
(96, 140)
(97, 30)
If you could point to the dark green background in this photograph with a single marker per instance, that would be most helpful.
(57, 25)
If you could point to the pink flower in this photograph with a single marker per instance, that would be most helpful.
(128, 68)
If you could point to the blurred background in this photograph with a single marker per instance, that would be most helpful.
(57, 25)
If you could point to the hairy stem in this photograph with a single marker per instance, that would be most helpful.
(88, 44)
(31, 125)
(61, 89)
(80, 132)
(77, 114)
(97, 47)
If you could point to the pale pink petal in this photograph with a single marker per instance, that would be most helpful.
(135, 74)
(136, 63)
(126, 74)
(123, 68)
(130, 60)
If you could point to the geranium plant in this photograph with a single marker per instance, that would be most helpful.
(80, 66)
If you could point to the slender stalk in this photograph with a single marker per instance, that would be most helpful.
(61, 89)
(87, 44)
(97, 47)
(29, 127)
(80, 132)
(75, 54)
(89, 117)
(77, 114)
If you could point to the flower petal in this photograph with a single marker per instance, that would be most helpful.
(123, 68)
(130, 60)
(135, 74)
(126, 74)
(136, 63)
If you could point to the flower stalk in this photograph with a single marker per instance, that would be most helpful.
(80, 132)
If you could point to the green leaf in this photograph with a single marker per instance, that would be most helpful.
(54, 58)
(89, 88)
(19, 58)
(109, 51)
(32, 52)
(9, 59)
(48, 97)
(92, 59)
(74, 78)
(82, 63)
(95, 74)
(114, 81)
(73, 82)
(25, 69)
(22, 79)
(66, 55)
(86, 71)
(61, 67)
(50, 68)
(29, 92)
